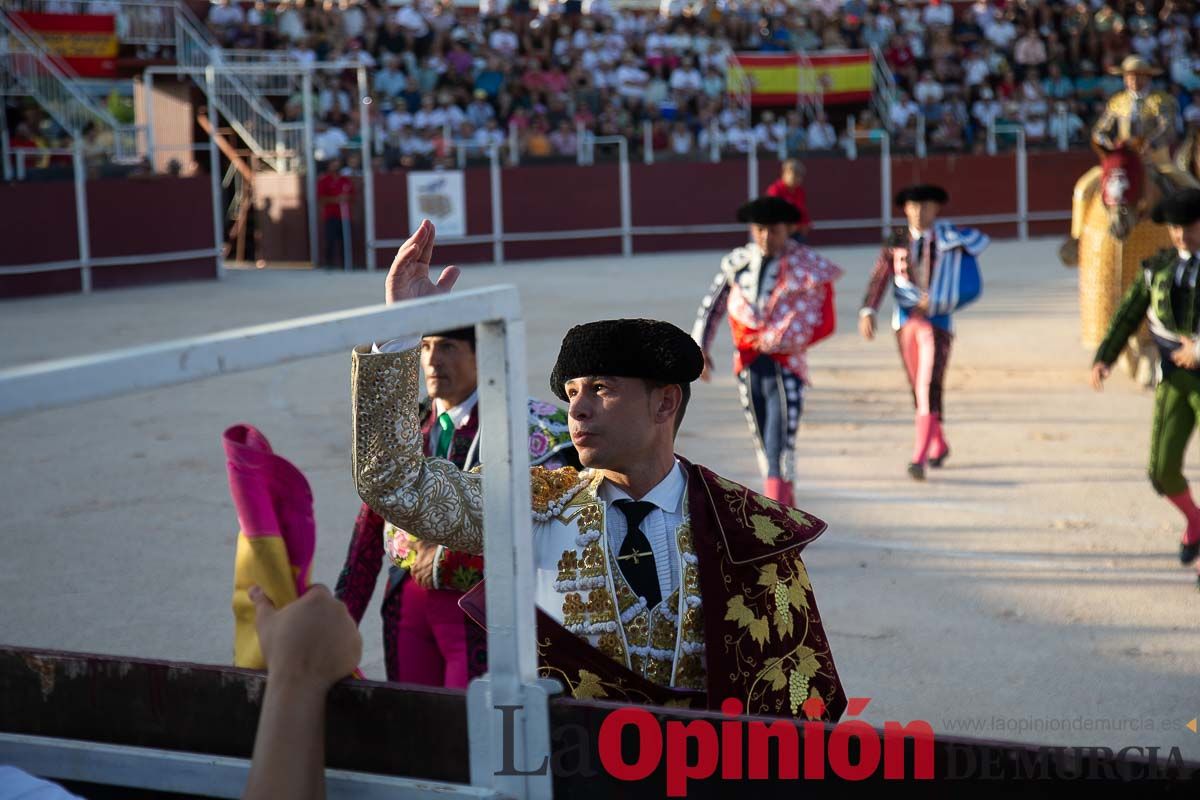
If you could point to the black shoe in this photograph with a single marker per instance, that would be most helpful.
(936, 463)
(916, 472)
(1188, 552)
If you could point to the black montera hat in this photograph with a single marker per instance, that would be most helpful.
(627, 348)
(466, 334)
(768, 211)
(1180, 208)
(921, 193)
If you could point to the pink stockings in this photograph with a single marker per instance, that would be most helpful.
(924, 353)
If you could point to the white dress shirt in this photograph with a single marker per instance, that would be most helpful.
(659, 525)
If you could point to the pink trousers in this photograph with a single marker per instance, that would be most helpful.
(431, 638)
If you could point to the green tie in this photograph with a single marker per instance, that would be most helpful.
(447, 433)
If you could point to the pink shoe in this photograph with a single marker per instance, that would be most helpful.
(775, 488)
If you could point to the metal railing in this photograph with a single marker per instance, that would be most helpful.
(268, 83)
(496, 739)
(85, 262)
(884, 90)
(34, 72)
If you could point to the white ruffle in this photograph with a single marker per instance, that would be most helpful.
(692, 648)
(633, 611)
(693, 601)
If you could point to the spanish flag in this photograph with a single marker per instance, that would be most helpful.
(85, 43)
(778, 79)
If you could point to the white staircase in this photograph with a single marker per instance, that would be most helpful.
(277, 143)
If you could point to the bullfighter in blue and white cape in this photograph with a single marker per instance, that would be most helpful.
(932, 270)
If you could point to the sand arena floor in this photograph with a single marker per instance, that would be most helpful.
(1029, 590)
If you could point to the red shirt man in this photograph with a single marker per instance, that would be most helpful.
(790, 187)
(334, 191)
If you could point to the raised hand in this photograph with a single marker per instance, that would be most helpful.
(408, 277)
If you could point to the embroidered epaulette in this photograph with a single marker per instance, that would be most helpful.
(552, 489)
(738, 259)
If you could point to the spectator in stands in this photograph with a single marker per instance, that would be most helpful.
(223, 16)
(821, 135)
(949, 133)
(329, 141)
(904, 111)
(928, 94)
(1029, 54)
(490, 134)
(682, 142)
(901, 60)
(563, 140)
(1066, 124)
(1058, 86)
(938, 14)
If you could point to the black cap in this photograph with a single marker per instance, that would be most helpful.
(922, 193)
(768, 211)
(1180, 208)
(627, 348)
(466, 334)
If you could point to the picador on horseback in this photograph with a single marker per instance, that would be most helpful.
(1111, 228)
(1142, 118)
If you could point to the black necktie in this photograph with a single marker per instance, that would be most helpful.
(1187, 275)
(636, 558)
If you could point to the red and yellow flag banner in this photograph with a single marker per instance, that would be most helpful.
(777, 79)
(85, 43)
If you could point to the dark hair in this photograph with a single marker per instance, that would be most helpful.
(897, 238)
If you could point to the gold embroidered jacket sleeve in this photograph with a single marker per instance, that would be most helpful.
(428, 497)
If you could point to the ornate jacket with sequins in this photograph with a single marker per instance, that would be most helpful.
(773, 311)
(743, 622)
(549, 445)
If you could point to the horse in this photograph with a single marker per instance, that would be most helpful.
(1117, 235)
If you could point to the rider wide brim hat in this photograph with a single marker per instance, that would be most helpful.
(1135, 65)
(923, 193)
(1180, 208)
(768, 211)
(627, 348)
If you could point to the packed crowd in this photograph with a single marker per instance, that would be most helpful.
(442, 76)
(549, 69)
(1044, 66)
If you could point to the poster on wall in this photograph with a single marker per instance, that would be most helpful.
(439, 197)
(86, 44)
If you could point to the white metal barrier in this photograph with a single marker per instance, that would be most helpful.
(508, 545)
(85, 262)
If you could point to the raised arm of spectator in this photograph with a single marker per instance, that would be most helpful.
(309, 645)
